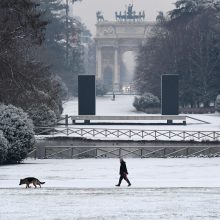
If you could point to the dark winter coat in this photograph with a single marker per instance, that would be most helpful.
(123, 168)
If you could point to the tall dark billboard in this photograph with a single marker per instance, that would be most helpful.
(86, 95)
(170, 94)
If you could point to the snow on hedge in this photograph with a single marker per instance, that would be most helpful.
(17, 128)
(42, 116)
(147, 100)
(3, 148)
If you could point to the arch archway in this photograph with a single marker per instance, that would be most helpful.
(127, 70)
(108, 78)
(118, 37)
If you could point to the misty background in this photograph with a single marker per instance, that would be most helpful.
(87, 9)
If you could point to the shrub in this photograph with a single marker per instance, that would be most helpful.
(60, 87)
(3, 148)
(17, 128)
(100, 88)
(145, 101)
(54, 107)
(188, 110)
(42, 116)
(217, 104)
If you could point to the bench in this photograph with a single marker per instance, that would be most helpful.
(127, 119)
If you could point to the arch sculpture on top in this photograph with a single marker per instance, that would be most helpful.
(114, 38)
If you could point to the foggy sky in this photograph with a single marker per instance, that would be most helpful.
(87, 9)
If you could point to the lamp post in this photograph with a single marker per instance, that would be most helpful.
(67, 31)
(67, 28)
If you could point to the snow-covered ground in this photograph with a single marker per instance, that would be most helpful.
(123, 106)
(162, 189)
(182, 189)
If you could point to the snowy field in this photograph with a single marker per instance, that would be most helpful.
(123, 106)
(162, 189)
(171, 189)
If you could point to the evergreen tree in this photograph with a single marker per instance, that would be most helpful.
(185, 43)
(62, 46)
(24, 80)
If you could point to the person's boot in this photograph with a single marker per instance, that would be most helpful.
(119, 182)
(129, 184)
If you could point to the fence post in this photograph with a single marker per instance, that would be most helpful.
(119, 152)
(66, 120)
(184, 135)
(72, 152)
(187, 152)
(164, 152)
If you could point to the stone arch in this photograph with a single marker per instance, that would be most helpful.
(118, 37)
(126, 73)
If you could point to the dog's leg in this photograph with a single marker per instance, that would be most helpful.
(38, 183)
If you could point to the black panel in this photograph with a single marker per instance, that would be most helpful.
(86, 95)
(170, 95)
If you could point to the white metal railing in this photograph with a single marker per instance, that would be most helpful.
(132, 134)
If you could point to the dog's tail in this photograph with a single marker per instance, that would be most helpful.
(42, 182)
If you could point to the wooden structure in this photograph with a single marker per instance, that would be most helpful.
(87, 119)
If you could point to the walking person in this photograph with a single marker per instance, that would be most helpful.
(113, 96)
(123, 173)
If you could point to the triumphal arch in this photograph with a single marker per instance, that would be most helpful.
(113, 39)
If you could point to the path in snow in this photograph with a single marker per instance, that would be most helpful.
(123, 106)
(105, 106)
